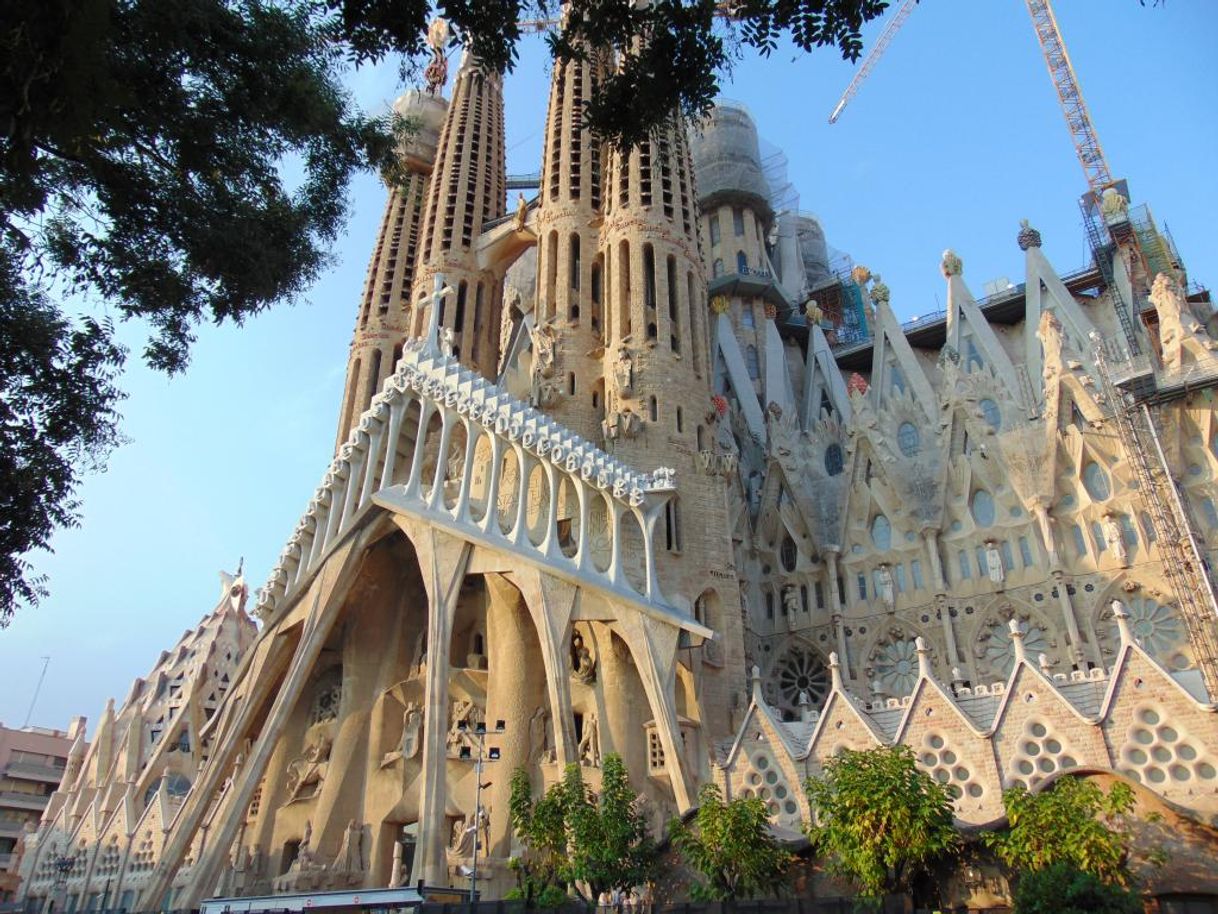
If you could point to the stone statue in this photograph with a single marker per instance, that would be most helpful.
(395, 872)
(813, 311)
(993, 563)
(1178, 329)
(462, 843)
(543, 351)
(583, 667)
(463, 720)
(1115, 539)
(412, 726)
(436, 73)
(790, 598)
(590, 743)
(304, 856)
(879, 291)
(805, 706)
(522, 212)
(511, 305)
(623, 372)
(887, 588)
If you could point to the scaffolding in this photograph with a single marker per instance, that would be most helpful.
(1183, 560)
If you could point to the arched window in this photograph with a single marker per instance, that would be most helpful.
(746, 316)
(789, 554)
(896, 380)
(717, 267)
(738, 221)
(714, 229)
(1095, 481)
(742, 262)
(680, 420)
(991, 412)
(908, 439)
(672, 526)
(653, 409)
(982, 507)
(834, 461)
(881, 532)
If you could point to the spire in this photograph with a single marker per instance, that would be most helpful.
(466, 193)
(1017, 645)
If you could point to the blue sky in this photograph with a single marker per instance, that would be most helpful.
(956, 137)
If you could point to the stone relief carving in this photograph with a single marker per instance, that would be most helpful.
(583, 667)
(306, 773)
(1178, 329)
(623, 423)
(350, 857)
(623, 372)
(541, 747)
(887, 587)
(993, 564)
(464, 716)
(1113, 205)
(544, 339)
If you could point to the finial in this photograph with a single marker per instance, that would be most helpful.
(1046, 665)
(923, 653)
(1028, 237)
(835, 672)
(951, 265)
(756, 671)
(436, 74)
(1021, 654)
(1122, 620)
(240, 565)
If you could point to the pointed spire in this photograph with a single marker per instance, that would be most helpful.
(1017, 646)
(835, 672)
(757, 697)
(923, 653)
(1121, 615)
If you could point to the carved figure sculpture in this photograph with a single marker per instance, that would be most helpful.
(412, 727)
(790, 598)
(543, 351)
(583, 667)
(309, 770)
(887, 588)
(350, 857)
(590, 743)
(993, 563)
(1113, 206)
(623, 372)
(462, 842)
(522, 212)
(1178, 329)
(1115, 539)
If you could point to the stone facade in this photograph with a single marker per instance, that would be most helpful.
(697, 500)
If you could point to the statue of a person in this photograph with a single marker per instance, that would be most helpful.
(537, 735)
(412, 725)
(623, 372)
(590, 743)
(1115, 539)
(887, 588)
(790, 598)
(1113, 205)
(583, 667)
(993, 563)
(522, 211)
(462, 843)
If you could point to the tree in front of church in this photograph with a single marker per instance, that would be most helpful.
(730, 845)
(879, 821)
(1064, 889)
(579, 840)
(1072, 822)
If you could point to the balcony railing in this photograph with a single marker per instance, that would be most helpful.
(34, 771)
(17, 800)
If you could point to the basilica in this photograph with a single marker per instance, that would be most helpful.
(638, 466)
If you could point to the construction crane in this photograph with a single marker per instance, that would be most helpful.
(873, 57)
(1183, 559)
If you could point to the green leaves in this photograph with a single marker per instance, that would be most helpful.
(1073, 822)
(1062, 889)
(879, 819)
(576, 837)
(731, 846)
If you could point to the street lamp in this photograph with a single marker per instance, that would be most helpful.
(490, 754)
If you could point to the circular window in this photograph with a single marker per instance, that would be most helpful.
(991, 412)
(1096, 482)
(983, 508)
(801, 674)
(908, 439)
(881, 532)
(833, 459)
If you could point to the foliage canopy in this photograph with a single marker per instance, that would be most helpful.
(731, 846)
(1063, 889)
(576, 838)
(1073, 822)
(879, 820)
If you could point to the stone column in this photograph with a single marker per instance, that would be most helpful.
(1063, 595)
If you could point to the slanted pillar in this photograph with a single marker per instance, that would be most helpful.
(443, 560)
(1063, 595)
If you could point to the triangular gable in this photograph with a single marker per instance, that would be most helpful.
(738, 374)
(890, 349)
(842, 725)
(823, 380)
(1033, 735)
(967, 325)
(777, 379)
(1044, 291)
(951, 749)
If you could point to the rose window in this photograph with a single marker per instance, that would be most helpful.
(896, 667)
(1000, 649)
(801, 671)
